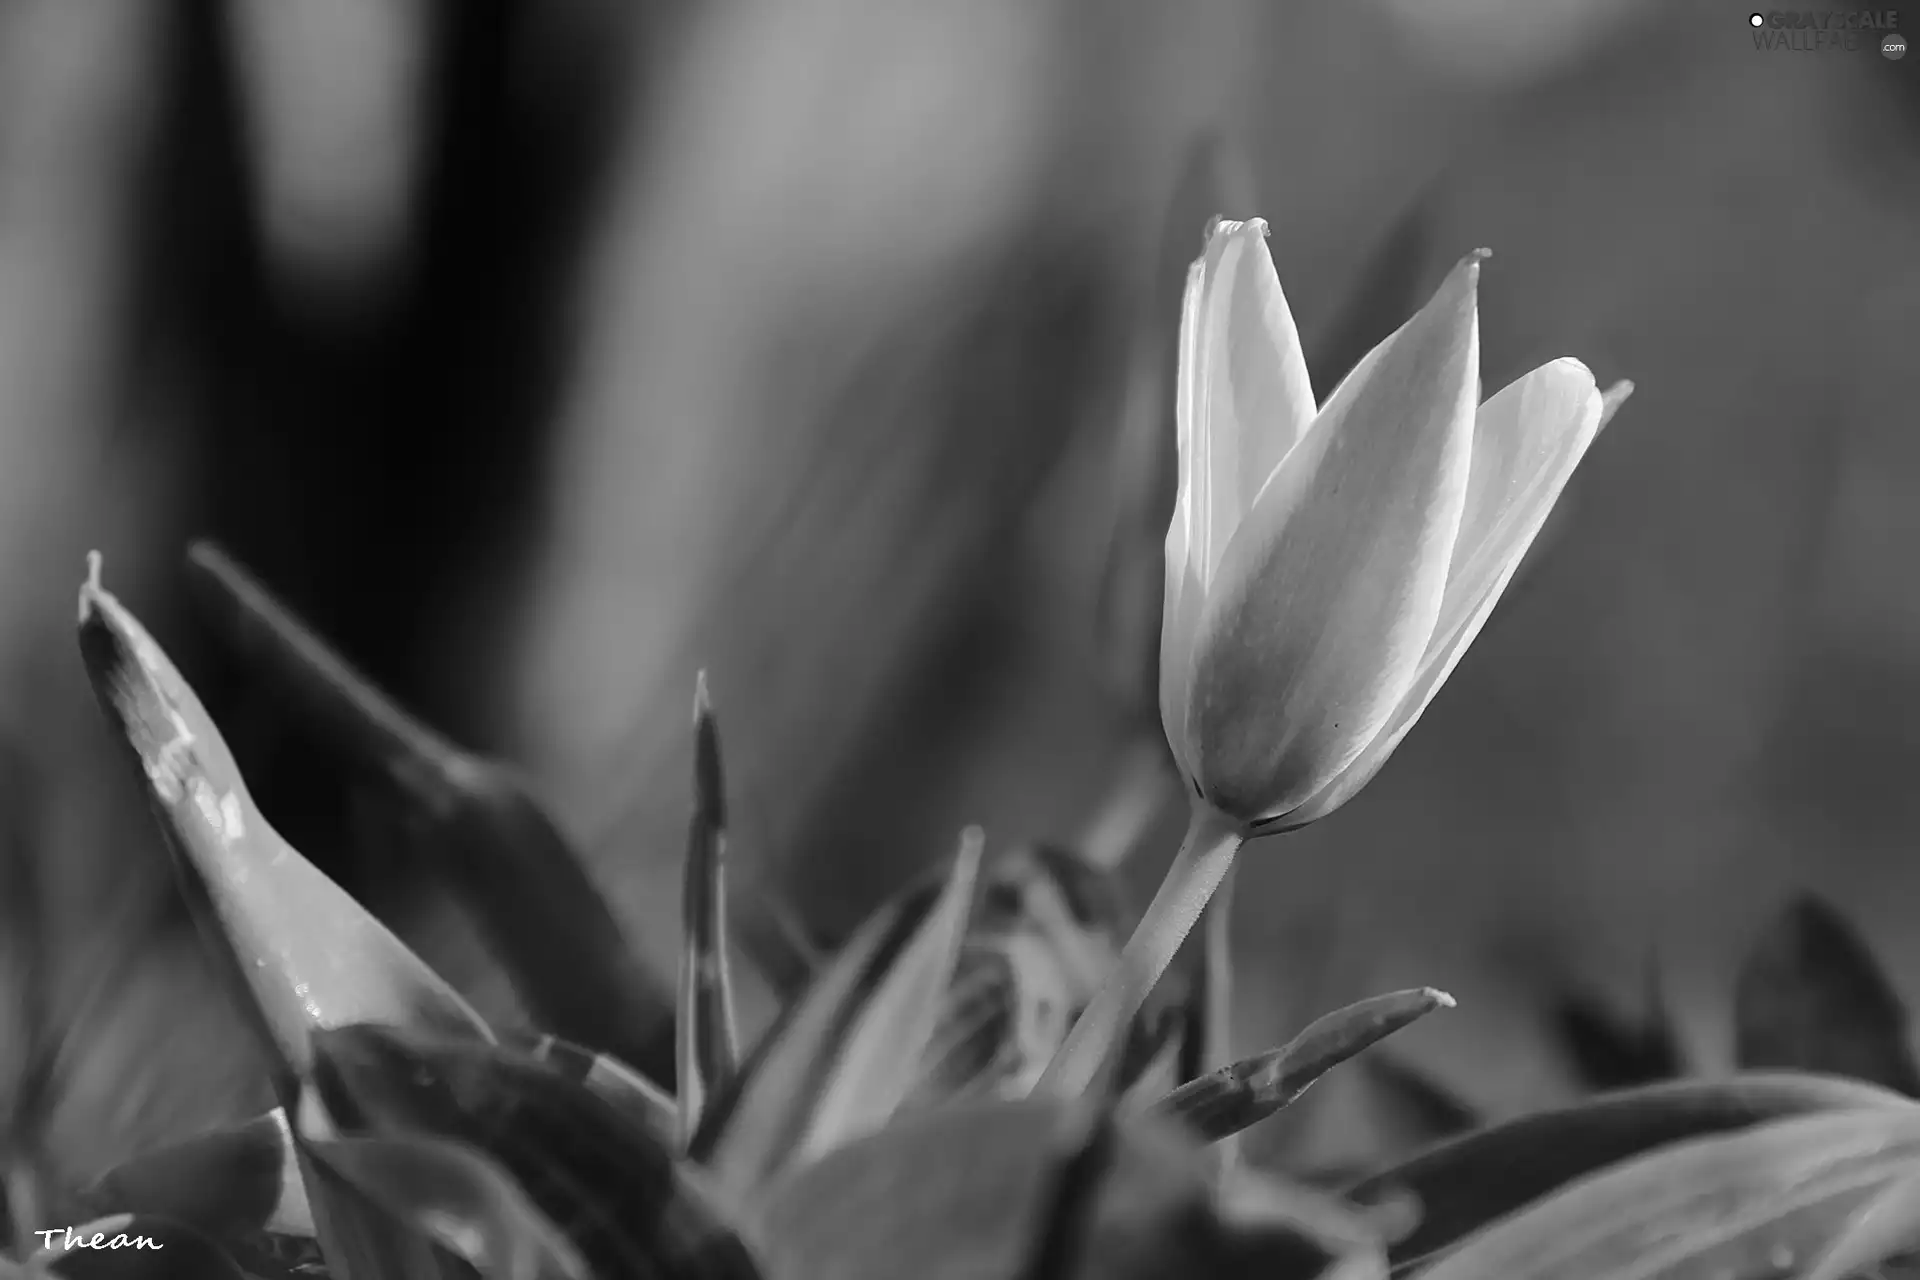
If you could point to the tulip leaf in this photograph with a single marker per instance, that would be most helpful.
(229, 1182)
(305, 954)
(127, 1246)
(490, 839)
(1750, 1204)
(849, 1052)
(1228, 1100)
(460, 1199)
(604, 1179)
(1472, 1180)
(970, 1189)
(708, 1050)
(1811, 997)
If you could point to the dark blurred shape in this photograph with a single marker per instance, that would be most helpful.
(1611, 1052)
(473, 820)
(367, 440)
(1812, 997)
(1415, 1107)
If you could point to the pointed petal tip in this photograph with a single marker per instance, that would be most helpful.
(702, 701)
(90, 589)
(1440, 998)
(1612, 398)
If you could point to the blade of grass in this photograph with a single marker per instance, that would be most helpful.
(506, 858)
(708, 1046)
(1232, 1098)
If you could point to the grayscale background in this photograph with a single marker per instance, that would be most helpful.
(542, 354)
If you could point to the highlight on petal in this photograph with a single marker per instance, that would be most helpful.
(307, 955)
(1528, 439)
(1244, 398)
(1329, 593)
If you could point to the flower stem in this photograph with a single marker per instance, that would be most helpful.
(1205, 854)
(1218, 1046)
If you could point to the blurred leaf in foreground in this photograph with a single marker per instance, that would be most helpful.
(456, 1196)
(848, 1053)
(1811, 997)
(1478, 1178)
(964, 1191)
(1751, 1205)
(606, 1181)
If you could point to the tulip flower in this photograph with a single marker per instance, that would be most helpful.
(1326, 568)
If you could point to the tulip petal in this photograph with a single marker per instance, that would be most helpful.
(1328, 595)
(1244, 399)
(1528, 439)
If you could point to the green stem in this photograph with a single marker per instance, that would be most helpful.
(1218, 1046)
(1205, 855)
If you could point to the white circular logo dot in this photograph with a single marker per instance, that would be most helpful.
(1756, 19)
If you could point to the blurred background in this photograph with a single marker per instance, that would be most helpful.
(542, 355)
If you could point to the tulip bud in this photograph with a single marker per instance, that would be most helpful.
(1326, 570)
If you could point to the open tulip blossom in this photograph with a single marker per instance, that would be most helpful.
(1326, 568)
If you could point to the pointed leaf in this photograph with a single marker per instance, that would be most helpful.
(1466, 1183)
(964, 1191)
(1811, 997)
(708, 1050)
(1232, 1098)
(225, 1183)
(304, 952)
(129, 1247)
(1749, 1204)
(848, 1054)
(605, 1181)
(456, 1196)
(528, 891)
